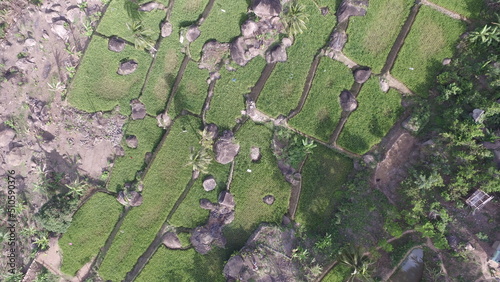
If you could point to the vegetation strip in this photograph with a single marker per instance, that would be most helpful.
(307, 87)
(398, 44)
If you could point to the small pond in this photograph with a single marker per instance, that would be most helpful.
(411, 269)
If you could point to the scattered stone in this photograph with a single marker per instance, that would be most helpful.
(286, 42)
(119, 151)
(338, 40)
(132, 141)
(384, 85)
(269, 199)
(286, 220)
(131, 198)
(209, 183)
(24, 64)
(266, 8)
(207, 205)
(74, 13)
(226, 199)
(147, 157)
(60, 31)
(140, 186)
(193, 33)
(138, 109)
(212, 130)
(171, 241)
(150, 6)
(116, 44)
(249, 29)
(255, 154)
(56, 7)
(361, 75)
(166, 29)
(277, 54)
(446, 61)
(225, 148)
(325, 11)
(350, 8)
(6, 136)
(127, 67)
(14, 157)
(164, 120)
(477, 115)
(30, 42)
(348, 102)
(369, 159)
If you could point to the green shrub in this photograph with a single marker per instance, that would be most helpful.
(56, 215)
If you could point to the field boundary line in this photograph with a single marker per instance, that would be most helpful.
(261, 82)
(295, 192)
(445, 11)
(307, 87)
(208, 100)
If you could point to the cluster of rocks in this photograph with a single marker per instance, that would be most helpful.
(138, 109)
(210, 234)
(213, 53)
(58, 17)
(171, 241)
(260, 37)
(291, 175)
(347, 8)
(129, 198)
(266, 257)
(226, 148)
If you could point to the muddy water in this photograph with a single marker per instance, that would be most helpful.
(411, 269)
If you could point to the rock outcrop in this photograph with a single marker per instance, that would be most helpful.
(127, 67)
(166, 29)
(361, 75)
(213, 53)
(192, 33)
(266, 8)
(116, 44)
(347, 101)
(129, 198)
(138, 109)
(226, 148)
(350, 8)
(6, 136)
(132, 141)
(171, 241)
(209, 183)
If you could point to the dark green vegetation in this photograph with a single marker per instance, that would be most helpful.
(251, 182)
(467, 8)
(222, 24)
(89, 230)
(321, 111)
(163, 184)
(192, 91)
(175, 265)
(338, 274)
(432, 38)
(56, 214)
(98, 87)
(371, 37)
(376, 114)
(284, 87)
(126, 167)
(323, 176)
(228, 100)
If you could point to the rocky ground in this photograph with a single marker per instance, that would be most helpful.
(42, 137)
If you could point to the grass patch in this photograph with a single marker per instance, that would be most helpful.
(222, 24)
(370, 38)
(249, 188)
(339, 273)
(163, 184)
(228, 102)
(192, 91)
(189, 214)
(162, 75)
(125, 168)
(285, 85)
(323, 175)
(186, 12)
(188, 265)
(431, 39)
(376, 114)
(467, 8)
(114, 21)
(321, 111)
(88, 232)
(97, 86)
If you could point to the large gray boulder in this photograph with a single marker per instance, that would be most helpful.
(132, 198)
(138, 109)
(277, 54)
(226, 199)
(361, 75)
(6, 136)
(116, 44)
(255, 154)
(237, 49)
(338, 40)
(209, 183)
(164, 120)
(193, 33)
(132, 141)
(14, 157)
(350, 8)
(213, 53)
(207, 205)
(348, 102)
(127, 67)
(249, 29)
(225, 148)
(166, 29)
(266, 8)
(171, 241)
(150, 6)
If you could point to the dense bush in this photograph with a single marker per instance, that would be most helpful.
(56, 214)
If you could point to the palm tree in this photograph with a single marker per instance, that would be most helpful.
(358, 262)
(42, 243)
(294, 18)
(199, 161)
(142, 35)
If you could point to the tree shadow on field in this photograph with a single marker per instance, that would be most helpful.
(353, 142)
(325, 127)
(375, 128)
